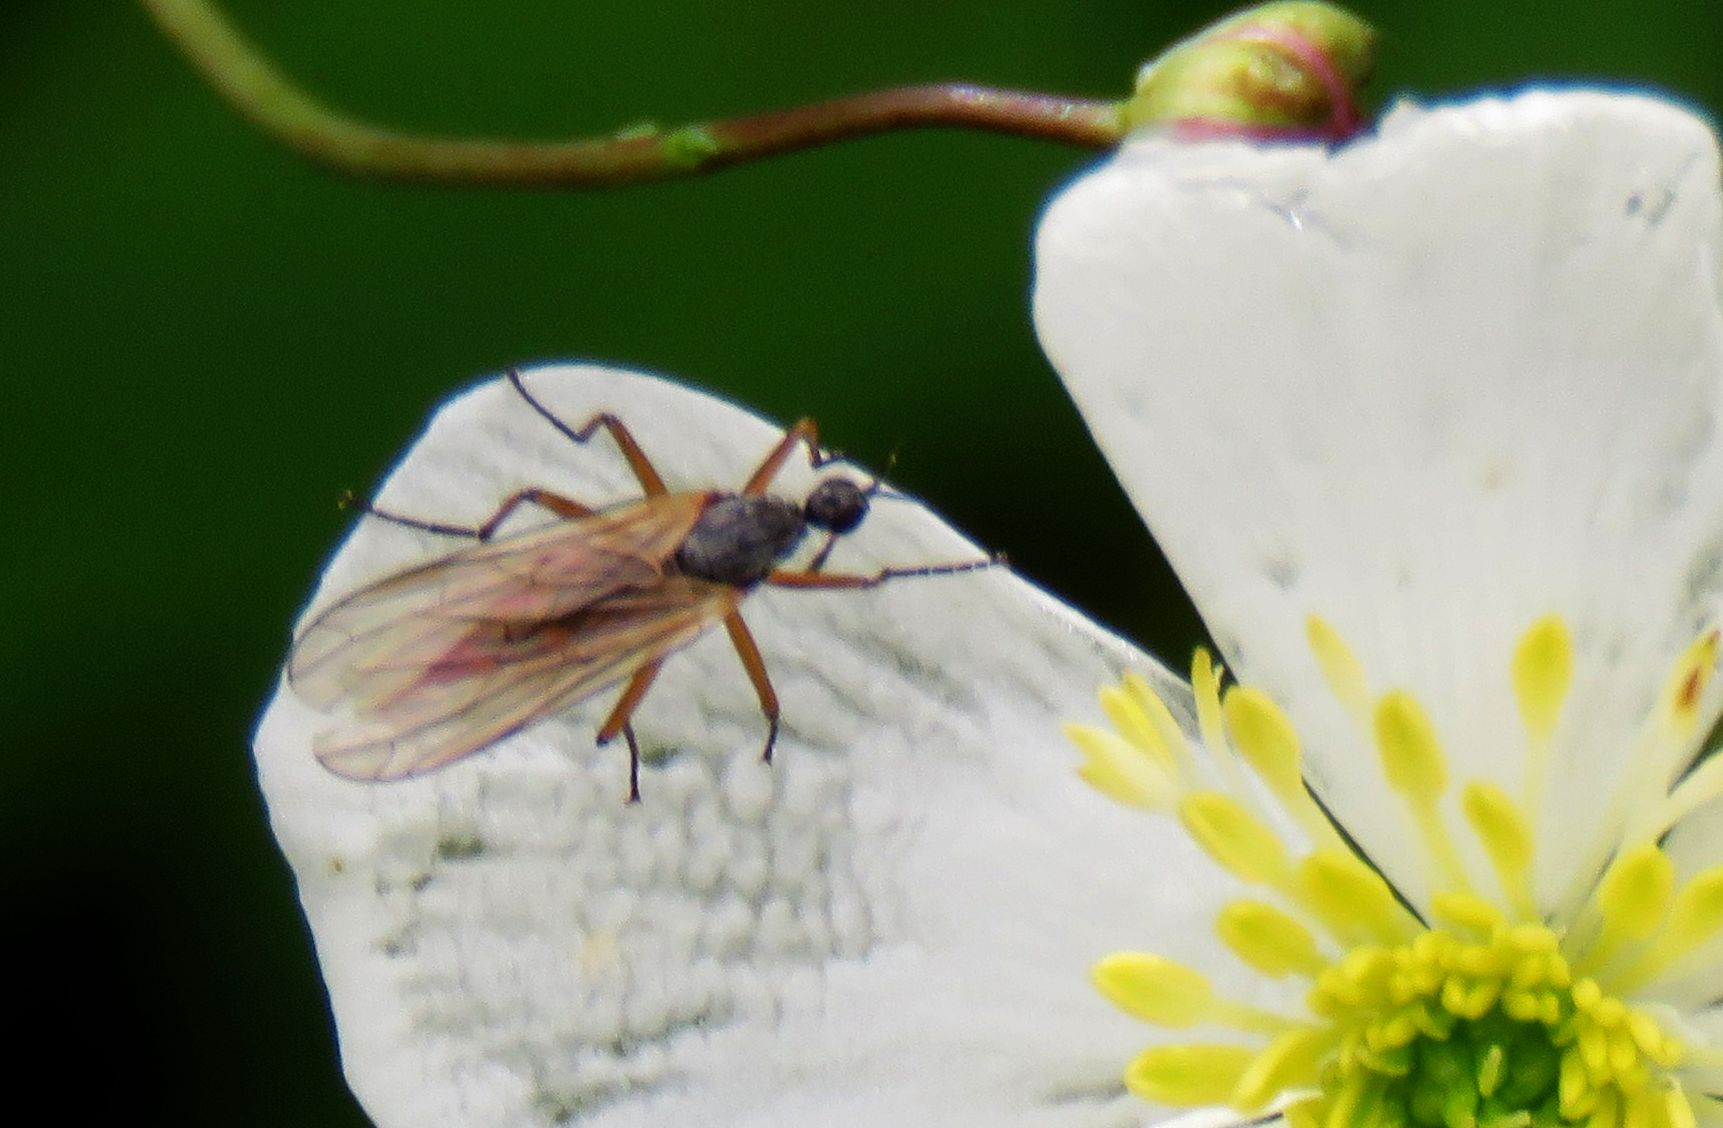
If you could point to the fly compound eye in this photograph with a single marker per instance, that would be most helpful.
(836, 504)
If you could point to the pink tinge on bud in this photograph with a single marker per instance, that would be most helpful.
(1344, 116)
(1285, 71)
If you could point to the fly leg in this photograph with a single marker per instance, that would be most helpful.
(567, 508)
(617, 722)
(813, 579)
(650, 482)
(564, 507)
(755, 665)
(805, 431)
(818, 563)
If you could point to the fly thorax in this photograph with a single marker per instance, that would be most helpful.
(738, 540)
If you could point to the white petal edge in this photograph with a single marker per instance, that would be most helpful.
(895, 920)
(1431, 386)
(1220, 1117)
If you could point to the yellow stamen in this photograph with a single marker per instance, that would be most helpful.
(1472, 1013)
(1695, 917)
(1350, 899)
(1340, 668)
(1411, 756)
(1631, 900)
(1642, 808)
(1672, 739)
(1127, 714)
(1268, 743)
(1154, 989)
(1672, 736)
(1205, 686)
(1468, 912)
(1677, 1110)
(1542, 675)
(1350, 1104)
(1188, 1075)
(1234, 837)
(1170, 994)
(1266, 740)
(1506, 838)
(1306, 1113)
(1122, 770)
(1269, 940)
(1291, 1061)
(1160, 717)
(1686, 689)
(1413, 762)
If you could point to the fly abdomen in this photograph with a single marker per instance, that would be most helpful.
(739, 540)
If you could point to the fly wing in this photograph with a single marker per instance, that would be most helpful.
(440, 660)
(502, 677)
(379, 641)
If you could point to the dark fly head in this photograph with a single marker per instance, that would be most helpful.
(837, 505)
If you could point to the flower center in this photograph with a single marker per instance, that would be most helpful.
(1480, 1023)
(1467, 1012)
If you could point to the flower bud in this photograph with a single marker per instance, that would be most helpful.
(1289, 69)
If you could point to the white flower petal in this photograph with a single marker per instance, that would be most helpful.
(892, 923)
(1221, 1118)
(1696, 842)
(1431, 386)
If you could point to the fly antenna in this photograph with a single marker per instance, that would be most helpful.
(877, 487)
(818, 458)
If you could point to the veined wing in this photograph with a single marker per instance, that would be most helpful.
(382, 640)
(500, 677)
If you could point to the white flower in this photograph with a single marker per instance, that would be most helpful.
(1430, 429)
(1442, 403)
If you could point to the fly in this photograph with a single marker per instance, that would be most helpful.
(444, 659)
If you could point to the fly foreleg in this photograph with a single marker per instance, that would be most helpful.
(812, 579)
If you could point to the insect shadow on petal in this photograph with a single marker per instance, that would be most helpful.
(444, 659)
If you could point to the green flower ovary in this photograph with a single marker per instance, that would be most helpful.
(1448, 1032)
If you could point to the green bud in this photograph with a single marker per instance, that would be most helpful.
(1285, 69)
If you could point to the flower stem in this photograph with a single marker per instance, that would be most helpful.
(268, 99)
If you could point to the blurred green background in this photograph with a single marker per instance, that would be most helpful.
(204, 341)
